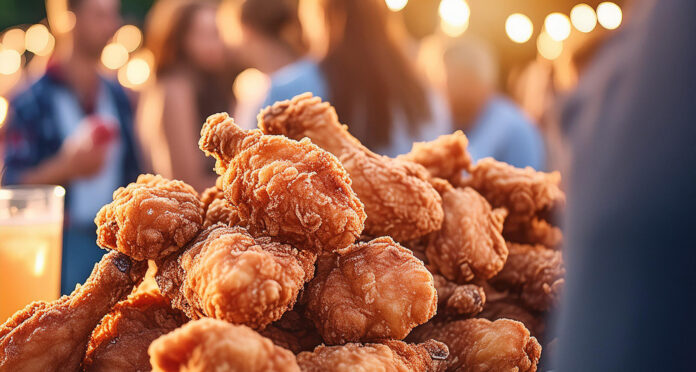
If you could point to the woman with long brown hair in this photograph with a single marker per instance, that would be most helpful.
(366, 75)
(192, 82)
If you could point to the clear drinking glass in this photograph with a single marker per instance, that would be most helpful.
(31, 227)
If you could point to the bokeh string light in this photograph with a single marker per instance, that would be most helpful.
(609, 15)
(396, 5)
(114, 56)
(548, 47)
(14, 39)
(519, 28)
(455, 17)
(129, 36)
(38, 39)
(583, 18)
(10, 61)
(557, 25)
(4, 107)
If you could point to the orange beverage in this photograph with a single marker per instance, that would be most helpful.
(31, 221)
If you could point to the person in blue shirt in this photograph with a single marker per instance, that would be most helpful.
(495, 126)
(74, 128)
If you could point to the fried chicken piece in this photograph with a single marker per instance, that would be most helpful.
(214, 345)
(523, 192)
(532, 231)
(470, 245)
(221, 211)
(388, 356)
(150, 218)
(535, 272)
(481, 345)
(455, 299)
(289, 190)
(227, 274)
(53, 336)
(510, 308)
(371, 291)
(212, 193)
(293, 331)
(446, 157)
(398, 199)
(120, 341)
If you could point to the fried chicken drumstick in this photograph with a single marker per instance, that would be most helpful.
(214, 345)
(445, 157)
(53, 336)
(289, 190)
(399, 201)
(227, 274)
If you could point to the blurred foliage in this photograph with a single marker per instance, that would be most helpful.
(16, 12)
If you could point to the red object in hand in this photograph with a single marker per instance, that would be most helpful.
(102, 131)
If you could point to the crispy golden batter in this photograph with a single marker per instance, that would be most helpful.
(469, 245)
(217, 346)
(454, 299)
(120, 341)
(446, 157)
(371, 291)
(478, 345)
(227, 274)
(294, 332)
(398, 199)
(53, 336)
(212, 193)
(511, 308)
(388, 356)
(532, 231)
(535, 272)
(221, 211)
(289, 190)
(150, 218)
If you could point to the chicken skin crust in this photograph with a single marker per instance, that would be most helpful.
(398, 199)
(445, 157)
(150, 218)
(120, 341)
(470, 245)
(217, 346)
(227, 274)
(456, 299)
(292, 191)
(53, 336)
(388, 356)
(479, 345)
(371, 291)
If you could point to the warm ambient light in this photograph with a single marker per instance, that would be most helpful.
(137, 71)
(10, 61)
(583, 18)
(519, 28)
(14, 39)
(558, 26)
(396, 5)
(4, 106)
(548, 47)
(455, 17)
(609, 15)
(250, 83)
(129, 36)
(114, 56)
(38, 40)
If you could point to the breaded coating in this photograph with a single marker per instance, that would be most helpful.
(227, 274)
(294, 332)
(523, 192)
(292, 191)
(535, 272)
(221, 211)
(470, 245)
(511, 308)
(212, 193)
(150, 218)
(455, 299)
(398, 199)
(479, 345)
(53, 336)
(120, 341)
(217, 346)
(388, 356)
(371, 291)
(532, 231)
(445, 157)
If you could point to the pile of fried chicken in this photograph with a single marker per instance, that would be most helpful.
(311, 253)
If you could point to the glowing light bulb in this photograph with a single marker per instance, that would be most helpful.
(37, 38)
(14, 39)
(114, 56)
(519, 28)
(396, 5)
(137, 71)
(583, 18)
(129, 36)
(454, 12)
(557, 26)
(609, 15)
(548, 47)
(10, 61)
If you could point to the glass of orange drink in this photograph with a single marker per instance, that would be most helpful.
(31, 225)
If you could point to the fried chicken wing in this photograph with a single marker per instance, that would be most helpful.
(535, 272)
(533, 231)
(227, 274)
(481, 345)
(53, 336)
(120, 341)
(150, 218)
(469, 245)
(214, 345)
(398, 199)
(510, 308)
(292, 191)
(445, 157)
(371, 291)
(221, 211)
(212, 193)
(388, 356)
(455, 299)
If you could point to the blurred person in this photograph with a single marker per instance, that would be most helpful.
(496, 126)
(366, 75)
(192, 81)
(630, 292)
(73, 127)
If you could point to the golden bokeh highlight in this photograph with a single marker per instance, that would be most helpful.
(4, 107)
(137, 71)
(454, 14)
(250, 83)
(548, 47)
(396, 5)
(38, 39)
(609, 15)
(557, 25)
(519, 28)
(227, 20)
(129, 36)
(114, 56)
(14, 39)
(583, 18)
(10, 61)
